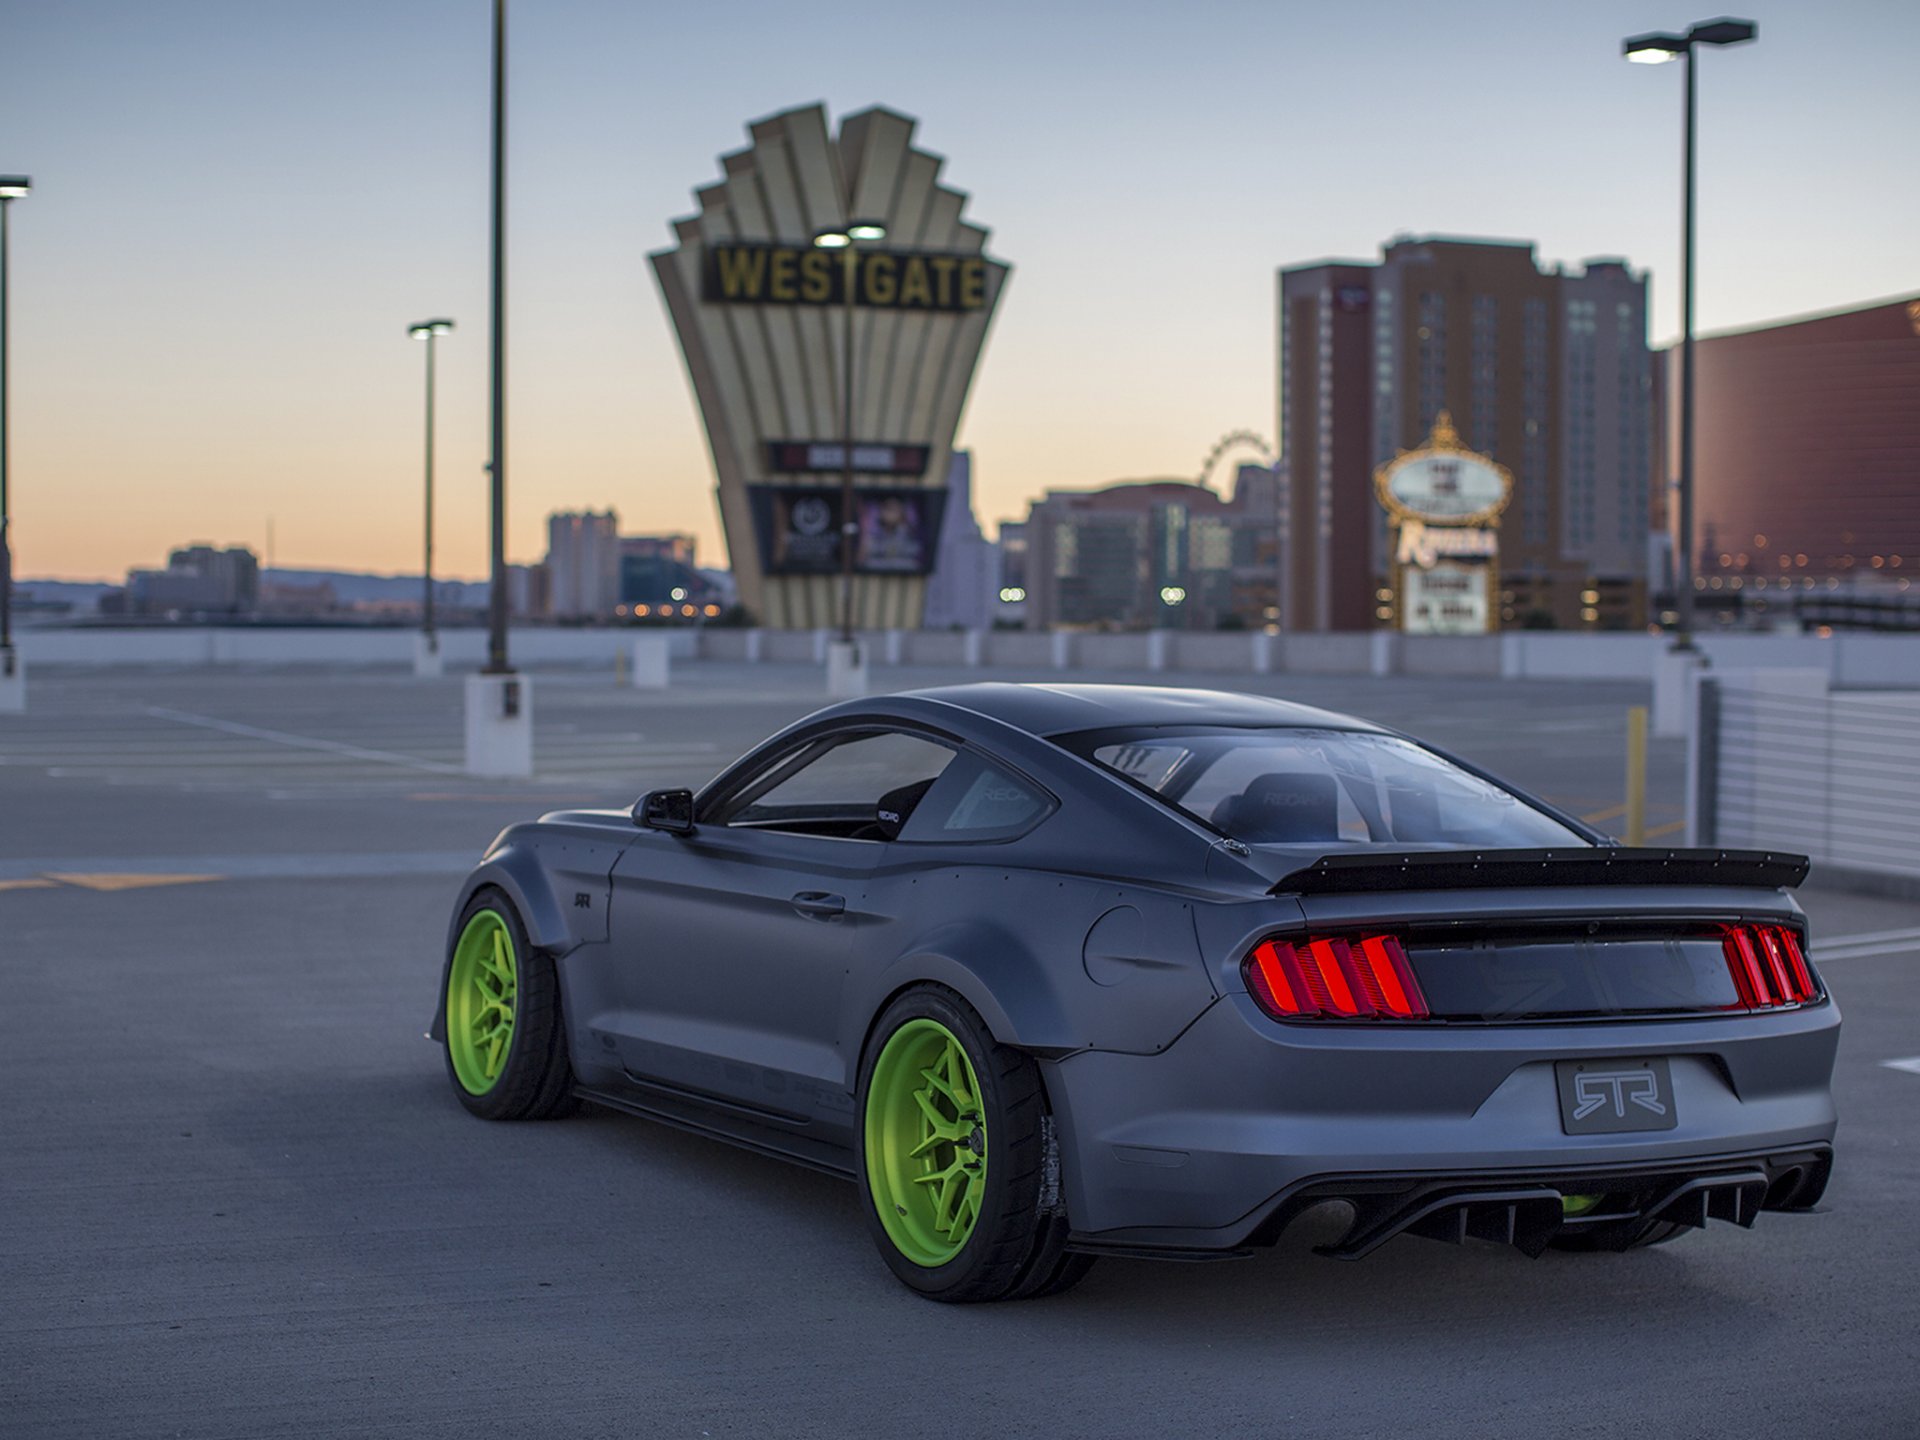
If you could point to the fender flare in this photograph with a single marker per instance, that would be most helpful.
(1006, 984)
(517, 872)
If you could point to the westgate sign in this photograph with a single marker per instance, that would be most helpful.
(768, 274)
(756, 308)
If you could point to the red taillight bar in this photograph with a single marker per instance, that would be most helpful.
(1334, 978)
(1769, 971)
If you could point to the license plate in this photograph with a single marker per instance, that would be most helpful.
(1605, 1097)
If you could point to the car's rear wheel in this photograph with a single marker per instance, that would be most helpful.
(506, 1043)
(954, 1153)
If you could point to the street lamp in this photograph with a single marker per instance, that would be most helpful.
(848, 238)
(12, 187)
(1657, 49)
(429, 331)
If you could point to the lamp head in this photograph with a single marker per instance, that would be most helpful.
(832, 240)
(1654, 49)
(1724, 31)
(430, 327)
(867, 230)
(12, 187)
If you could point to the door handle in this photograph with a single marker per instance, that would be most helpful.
(818, 905)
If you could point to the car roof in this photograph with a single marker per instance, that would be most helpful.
(1048, 710)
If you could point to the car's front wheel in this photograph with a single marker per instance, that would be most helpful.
(506, 1043)
(955, 1157)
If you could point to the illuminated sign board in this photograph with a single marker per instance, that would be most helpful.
(828, 457)
(897, 531)
(769, 274)
(1445, 503)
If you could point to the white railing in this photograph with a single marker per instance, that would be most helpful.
(1785, 762)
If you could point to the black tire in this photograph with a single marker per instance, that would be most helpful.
(1622, 1235)
(536, 1080)
(1017, 1248)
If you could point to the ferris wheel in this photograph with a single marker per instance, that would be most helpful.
(1233, 440)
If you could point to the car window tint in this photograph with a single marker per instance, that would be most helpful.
(1286, 786)
(975, 800)
(847, 781)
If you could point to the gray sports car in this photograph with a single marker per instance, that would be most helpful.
(1058, 971)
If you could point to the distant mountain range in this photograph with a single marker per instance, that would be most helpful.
(350, 586)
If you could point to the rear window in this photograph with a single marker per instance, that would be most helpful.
(1321, 787)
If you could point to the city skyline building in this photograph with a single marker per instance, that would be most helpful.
(1545, 371)
(1146, 554)
(960, 590)
(1807, 461)
(200, 579)
(583, 564)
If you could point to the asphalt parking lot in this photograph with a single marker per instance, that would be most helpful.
(238, 1199)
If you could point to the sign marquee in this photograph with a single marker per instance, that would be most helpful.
(1445, 502)
(767, 274)
(797, 352)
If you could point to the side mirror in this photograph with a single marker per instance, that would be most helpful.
(668, 810)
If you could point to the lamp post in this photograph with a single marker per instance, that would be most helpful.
(429, 331)
(848, 239)
(12, 187)
(1657, 49)
(497, 460)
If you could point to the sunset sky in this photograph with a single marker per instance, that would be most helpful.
(240, 204)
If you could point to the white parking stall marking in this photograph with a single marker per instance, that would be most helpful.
(300, 742)
(1911, 1066)
(1861, 947)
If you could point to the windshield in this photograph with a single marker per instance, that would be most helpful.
(1320, 787)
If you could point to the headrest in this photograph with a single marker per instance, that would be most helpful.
(891, 812)
(1281, 808)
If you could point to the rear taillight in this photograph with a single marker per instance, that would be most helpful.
(1334, 978)
(1768, 967)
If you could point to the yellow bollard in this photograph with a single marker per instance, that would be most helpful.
(1637, 775)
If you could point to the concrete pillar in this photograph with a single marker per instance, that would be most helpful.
(895, 642)
(1157, 650)
(499, 725)
(651, 658)
(1513, 655)
(1383, 652)
(975, 650)
(846, 669)
(753, 645)
(1674, 673)
(428, 663)
(1260, 657)
(13, 682)
(1062, 649)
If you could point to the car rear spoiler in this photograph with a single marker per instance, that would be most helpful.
(1490, 869)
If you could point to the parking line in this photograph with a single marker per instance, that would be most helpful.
(125, 882)
(1911, 1066)
(300, 742)
(35, 882)
(1864, 947)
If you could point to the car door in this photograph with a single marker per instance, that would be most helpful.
(731, 944)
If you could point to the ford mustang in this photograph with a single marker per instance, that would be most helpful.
(1061, 971)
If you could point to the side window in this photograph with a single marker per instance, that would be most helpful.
(836, 787)
(974, 800)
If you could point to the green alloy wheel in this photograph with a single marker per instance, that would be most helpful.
(926, 1142)
(482, 986)
(506, 1043)
(957, 1157)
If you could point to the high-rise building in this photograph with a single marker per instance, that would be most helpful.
(1806, 458)
(1545, 371)
(965, 576)
(583, 564)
